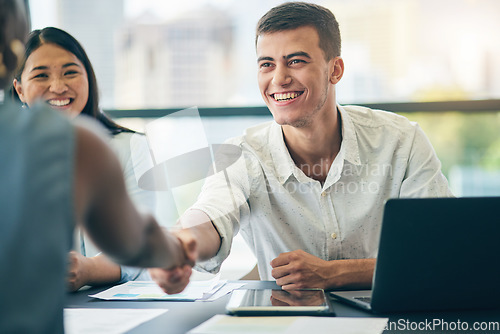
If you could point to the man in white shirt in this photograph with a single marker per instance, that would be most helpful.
(308, 192)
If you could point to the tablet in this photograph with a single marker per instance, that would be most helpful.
(249, 302)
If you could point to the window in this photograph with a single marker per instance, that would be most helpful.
(160, 54)
(412, 50)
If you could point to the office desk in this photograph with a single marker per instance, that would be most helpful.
(183, 316)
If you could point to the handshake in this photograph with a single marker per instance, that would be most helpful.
(175, 279)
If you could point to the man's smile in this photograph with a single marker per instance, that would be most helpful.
(286, 96)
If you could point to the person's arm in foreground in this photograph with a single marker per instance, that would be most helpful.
(197, 229)
(133, 155)
(300, 270)
(94, 270)
(99, 270)
(112, 221)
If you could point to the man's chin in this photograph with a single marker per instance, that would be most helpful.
(280, 117)
(286, 121)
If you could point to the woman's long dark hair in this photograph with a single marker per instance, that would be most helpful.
(61, 38)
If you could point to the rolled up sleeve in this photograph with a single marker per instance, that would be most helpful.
(224, 198)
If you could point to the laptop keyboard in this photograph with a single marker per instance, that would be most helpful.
(364, 299)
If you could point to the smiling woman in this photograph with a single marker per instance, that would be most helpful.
(56, 67)
(57, 71)
(55, 76)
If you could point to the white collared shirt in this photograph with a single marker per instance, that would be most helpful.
(277, 208)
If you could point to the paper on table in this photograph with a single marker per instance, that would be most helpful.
(106, 321)
(149, 290)
(221, 324)
(223, 290)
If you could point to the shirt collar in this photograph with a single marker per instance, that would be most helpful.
(349, 139)
(282, 160)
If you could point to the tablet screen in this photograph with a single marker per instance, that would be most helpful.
(269, 301)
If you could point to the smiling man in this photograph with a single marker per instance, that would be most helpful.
(309, 191)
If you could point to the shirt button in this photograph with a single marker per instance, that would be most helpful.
(334, 235)
(323, 193)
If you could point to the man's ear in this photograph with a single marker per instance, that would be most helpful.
(19, 90)
(336, 70)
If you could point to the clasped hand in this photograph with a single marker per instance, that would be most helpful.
(174, 280)
(300, 270)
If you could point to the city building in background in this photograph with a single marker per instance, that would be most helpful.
(94, 24)
(418, 50)
(185, 61)
(159, 54)
(163, 54)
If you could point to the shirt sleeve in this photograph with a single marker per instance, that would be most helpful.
(133, 274)
(135, 158)
(423, 177)
(137, 163)
(224, 198)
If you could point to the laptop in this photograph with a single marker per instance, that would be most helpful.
(435, 254)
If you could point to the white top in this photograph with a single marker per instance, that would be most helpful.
(279, 209)
(135, 158)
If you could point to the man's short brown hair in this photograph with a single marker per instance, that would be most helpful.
(293, 15)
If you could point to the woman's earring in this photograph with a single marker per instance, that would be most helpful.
(24, 106)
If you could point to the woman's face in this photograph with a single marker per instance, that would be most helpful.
(54, 76)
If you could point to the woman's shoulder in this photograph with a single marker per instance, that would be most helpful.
(126, 136)
(129, 140)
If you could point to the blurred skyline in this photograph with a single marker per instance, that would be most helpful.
(394, 50)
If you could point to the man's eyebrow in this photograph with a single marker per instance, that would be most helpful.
(264, 58)
(297, 54)
(291, 55)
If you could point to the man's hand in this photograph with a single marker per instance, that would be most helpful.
(171, 280)
(78, 271)
(174, 280)
(300, 270)
(189, 245)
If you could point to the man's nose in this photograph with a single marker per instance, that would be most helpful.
(281, 76)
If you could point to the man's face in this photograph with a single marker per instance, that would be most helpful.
(294, 77)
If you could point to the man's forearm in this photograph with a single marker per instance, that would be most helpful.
(199, 225)
(351, 274)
